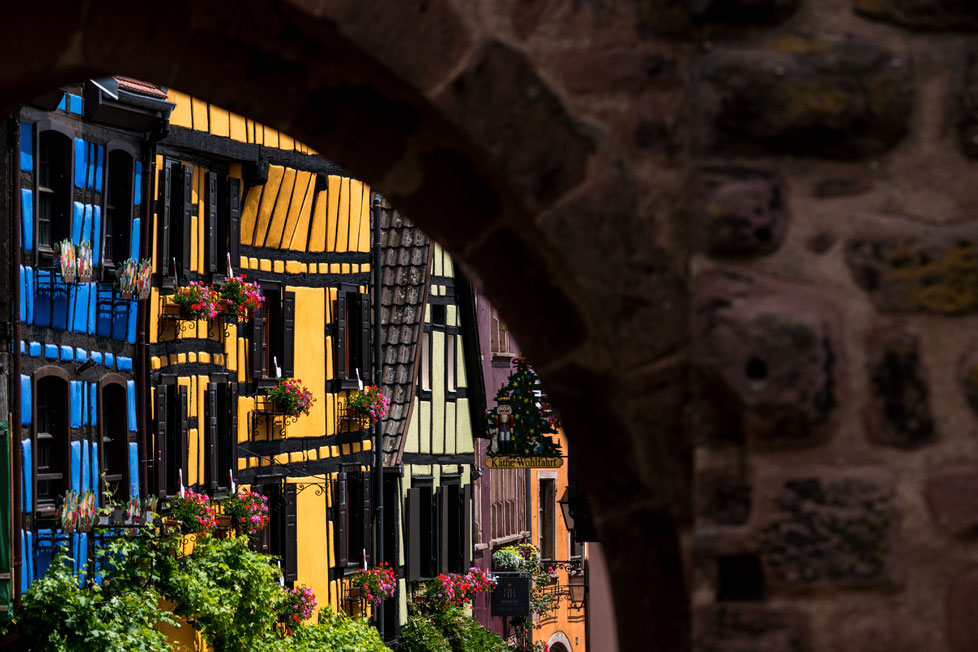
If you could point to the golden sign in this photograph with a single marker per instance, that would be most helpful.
(520, 462)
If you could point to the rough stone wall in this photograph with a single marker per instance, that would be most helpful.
(832, 209)
(734, 236)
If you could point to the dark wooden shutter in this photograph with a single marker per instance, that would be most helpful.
(368, 517)
(364, 353)
(163, 221)
(161, 409)
(441, 501)
(341, 371)
(184, 436)
(290, 553)
(342, 535)
(414, 507)
(258, 343)
(288, 334)
(212, 222)
(188, 209)
(212, 470)
(466, 525)
(234, 223)
(232, 420)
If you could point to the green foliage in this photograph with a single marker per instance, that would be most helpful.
(121, 616)
(448, 630)
(421, 634)
(336, 633)
(229, 592)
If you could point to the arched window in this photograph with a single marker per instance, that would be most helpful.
(118, 208)
(114, 423)
(53, 190)
(52, 457)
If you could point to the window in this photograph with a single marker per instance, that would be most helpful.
(222, 435)
(280, 536)
(450, 363)
(425, 371)
(52, 455)
(507, 504)
(439, 539)
(354, 517)
(171, 437)
(222, 201)
(114, 429)
(499, 341)
(173, 220)
(547, 494)
(118, 208)
(273, 334)
(352, 336)
(53, 192)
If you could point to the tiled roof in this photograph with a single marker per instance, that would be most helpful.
(141, 87)
(406, 250)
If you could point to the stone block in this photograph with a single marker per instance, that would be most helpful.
(880, 631)
(950, 496)
(613, 70)
(961, 612)
(535, 143)
(767, 359)
(968, 377)
(925, 15)
(722, 498)
(910, 267)
(827, 529)
(732, 627)
(839, 99)
(898, 412)
(968, 109)
(676, 17)
(736, 211)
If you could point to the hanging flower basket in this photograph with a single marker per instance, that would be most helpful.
(291, 397)
(66, 259)
(374, 584)
(197, 301)
(78, 512)
(246, 511)
(296, 605)
(194, 513)
(368, 404)
(134, 278)
(240, 297)
(84, 259)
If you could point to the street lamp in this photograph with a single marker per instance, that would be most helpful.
(577, 589)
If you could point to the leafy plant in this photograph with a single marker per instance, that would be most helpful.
(291, 396)
(122, 615)
(421, 634)
(227, 591)
(336, 633)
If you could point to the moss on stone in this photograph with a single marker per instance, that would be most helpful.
(946, 285)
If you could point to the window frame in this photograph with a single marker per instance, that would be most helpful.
(353, 516)
(352, 335)
(44, 253)
(264, 351)
(172, 428)
(48, 505)
(221, 416)
(547, 511)
(113, 380)
(111, 148)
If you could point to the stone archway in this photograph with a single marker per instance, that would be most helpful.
(583, 157)
(460, 130)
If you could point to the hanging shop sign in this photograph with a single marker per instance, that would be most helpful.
(520, 462)
(511, 596)
(521, 424)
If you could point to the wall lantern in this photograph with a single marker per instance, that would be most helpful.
(566, 512)
(577, 589)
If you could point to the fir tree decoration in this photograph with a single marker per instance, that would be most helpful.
(526, 430)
